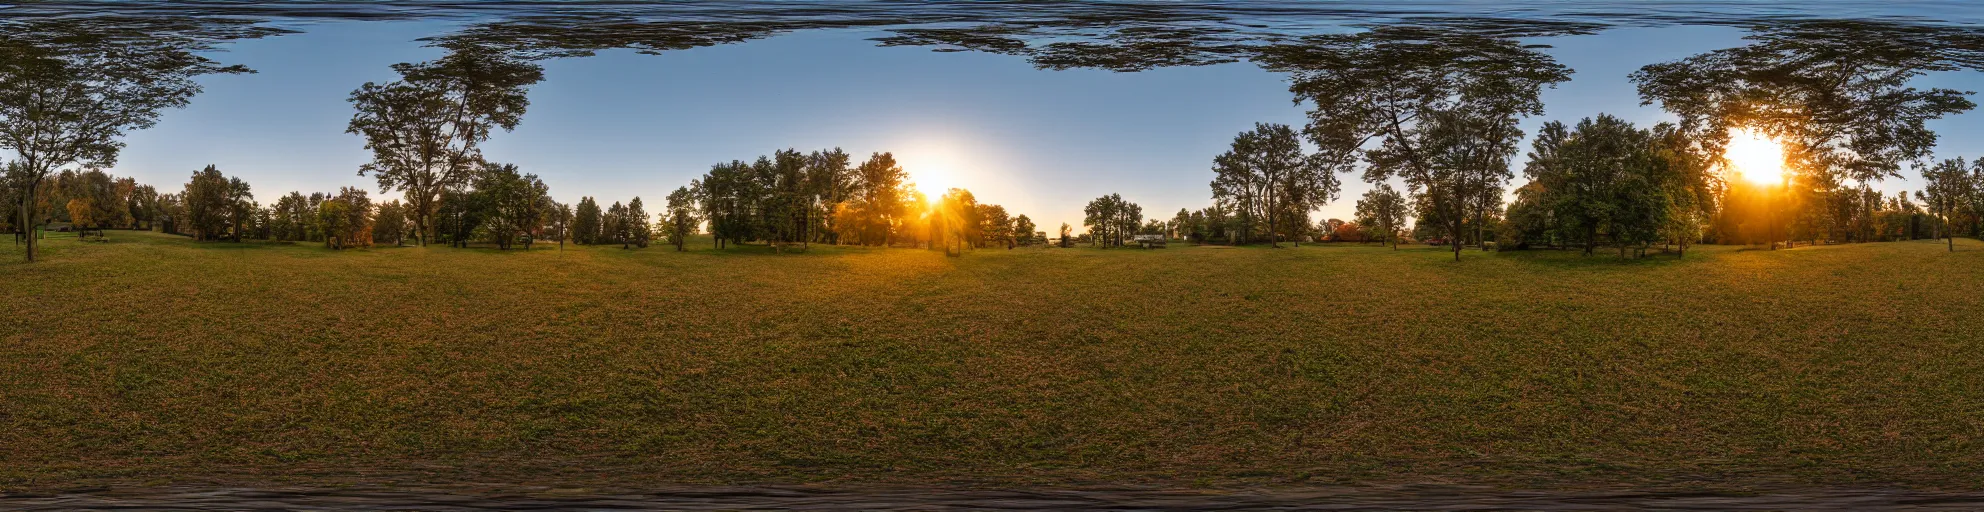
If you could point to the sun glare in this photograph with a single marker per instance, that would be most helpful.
(1757, 157)
(933, 179)
(934, 168)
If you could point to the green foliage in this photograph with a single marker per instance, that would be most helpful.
(680, 218)
(389, 225)
(1110, 219)
(636, 224)
(1442, 107)
(513, 204)
(1024, 230)
(215, 205)
(1270, 182)
(425, 130)
(1835, 92)
(71, 87)
(587, 222)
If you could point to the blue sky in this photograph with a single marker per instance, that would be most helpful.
(622, 124)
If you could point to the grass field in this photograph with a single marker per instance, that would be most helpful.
(155, 359)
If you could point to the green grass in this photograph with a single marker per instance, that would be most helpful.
(152, 358)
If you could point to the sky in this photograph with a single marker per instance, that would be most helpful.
(1041, 143)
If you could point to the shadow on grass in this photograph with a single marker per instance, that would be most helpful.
(1573, 258)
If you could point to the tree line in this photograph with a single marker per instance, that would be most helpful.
(790, 198)
(1436, 110)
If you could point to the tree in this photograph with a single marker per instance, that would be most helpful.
(881, 193)
(211, 201)
(1266, 175)
(1023, 228)
(586, 223)
(994, 226)
(240, 206)
(639, 232)
(955, 221)
(1977, 198)
(1687, 184)
(1946, 192)
(1384, 209)
(350, 225)
(425, 130)
(1218, 222)
(335, 216)
(680, 218)
(833, 182)
(727, 194)
(614, 225)
(143, 206)
(1067, 234)
(91, 201)
(513, 203)
(1601, 177)
(1348, 232)
(558, 225)
(69, 90)
(1106, 216)
(1836, 93)
(389, 224)
(1442, 107)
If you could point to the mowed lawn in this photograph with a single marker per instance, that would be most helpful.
(152, 358)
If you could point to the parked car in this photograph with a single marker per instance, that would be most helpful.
(1436, 241)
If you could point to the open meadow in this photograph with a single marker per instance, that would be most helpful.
(153, 358)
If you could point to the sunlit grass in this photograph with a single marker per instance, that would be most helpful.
(152, 358)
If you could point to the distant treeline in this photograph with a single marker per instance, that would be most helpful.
(1435, 110)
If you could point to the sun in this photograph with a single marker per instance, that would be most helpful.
(935, 169)
(933, 178)
(1758, 157)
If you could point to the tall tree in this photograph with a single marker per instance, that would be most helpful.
(335, 215)
(881, 195)
(1946, 192)
(70, 89)
(680, 217)
(639, 231)
(1268, 177)
(1603, 177)
(211, 201)
(995, 226)
(958, 213)
(513, 202)
(831, 180)
(1836, 93)
(728, 194)
(586, 222)
(614, 225)
(1023, 229)
(1102, 217)
(426, 129)
(1441, 105)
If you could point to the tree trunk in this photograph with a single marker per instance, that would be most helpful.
(1455, 232)
(27, 219)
